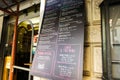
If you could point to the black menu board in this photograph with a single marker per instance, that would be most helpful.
(59, 53)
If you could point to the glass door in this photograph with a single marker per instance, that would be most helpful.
(26, 44)
(114, 23)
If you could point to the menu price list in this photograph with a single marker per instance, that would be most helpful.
(65, 72)
(43, 63)
(68, 54)
(59, 53)
(66, 66)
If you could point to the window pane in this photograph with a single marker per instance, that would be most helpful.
(116, 52)
(116, 71)
(114, 23)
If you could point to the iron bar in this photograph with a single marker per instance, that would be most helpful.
(8, 6)
(4, 10)
(14, 45)
(21, 68)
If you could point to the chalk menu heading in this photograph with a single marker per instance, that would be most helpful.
(59, 53)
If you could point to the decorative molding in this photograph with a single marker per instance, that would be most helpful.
(87, 35)
(87, 61)
(97, 59)
(96, 11)
(88, 12)
(95, 34)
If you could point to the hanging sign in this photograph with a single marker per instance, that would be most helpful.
(59, 53)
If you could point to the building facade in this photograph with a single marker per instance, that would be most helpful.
(92, 48)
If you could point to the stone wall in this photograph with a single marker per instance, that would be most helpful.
(92, 54)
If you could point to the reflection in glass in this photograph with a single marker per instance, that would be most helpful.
(116, 52)
(114, 23)
(116, 71)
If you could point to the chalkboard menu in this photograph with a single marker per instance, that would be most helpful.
(59, 53)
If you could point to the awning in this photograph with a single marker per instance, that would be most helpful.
(5, 5)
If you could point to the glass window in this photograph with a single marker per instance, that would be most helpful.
(114, 23)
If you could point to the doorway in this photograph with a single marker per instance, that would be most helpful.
(110, 13)
(26, 43)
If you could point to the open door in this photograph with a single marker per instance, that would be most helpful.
(26, 32)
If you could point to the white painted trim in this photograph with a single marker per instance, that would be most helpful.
(21, 68)
(42, 10)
